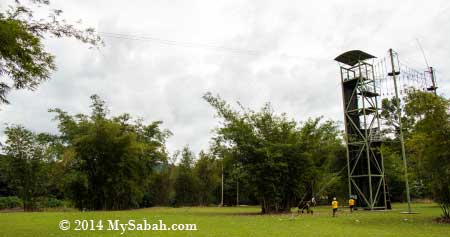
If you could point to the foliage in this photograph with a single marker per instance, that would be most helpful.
(237, 185)
(323, 145)
(108, 161)
(160, 186)
(391, 148)
(389, 113)
(429, 143)
(53, 202)
(185, 183)
(281, 158)
(206, 173)
(393, 168)
(27, 165)
(5, 189)
(10, 202)
(23, 59)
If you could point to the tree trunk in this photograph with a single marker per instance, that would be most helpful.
(268, 207)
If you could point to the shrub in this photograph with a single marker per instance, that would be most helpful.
(53, 202)
(10, 202)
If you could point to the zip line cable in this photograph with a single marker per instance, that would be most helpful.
(331, 180)
(177, 43)
(423, 52)
(186, 44)
(252, 52)
(325, 185)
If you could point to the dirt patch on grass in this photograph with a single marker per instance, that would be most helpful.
(443, 220)
(16, 209)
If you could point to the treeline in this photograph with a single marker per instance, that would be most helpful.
(96, 162)
(99, 162)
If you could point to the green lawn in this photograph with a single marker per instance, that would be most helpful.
(239, 221)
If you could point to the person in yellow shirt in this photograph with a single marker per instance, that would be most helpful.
(334, 205)
(351, 204)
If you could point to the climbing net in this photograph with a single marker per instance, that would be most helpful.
(407, 77)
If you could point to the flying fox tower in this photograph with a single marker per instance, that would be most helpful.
(366, 180)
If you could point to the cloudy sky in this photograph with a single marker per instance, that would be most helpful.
(249, 51)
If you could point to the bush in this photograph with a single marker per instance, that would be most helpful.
(148, 200)
(10, 202)
(53, 202)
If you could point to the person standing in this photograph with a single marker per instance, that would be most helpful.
(351, 204)
(334, 205)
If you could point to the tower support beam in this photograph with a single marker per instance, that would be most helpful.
(365, 166)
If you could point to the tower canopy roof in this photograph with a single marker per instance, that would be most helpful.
(352, 57)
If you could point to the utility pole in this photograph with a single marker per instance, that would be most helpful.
(237, 191)
(221, 200)
(433, 80)
(399, 114)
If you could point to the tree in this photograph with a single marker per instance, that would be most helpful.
(24, 63)
(393, 169)
(185, 182)
(5, 189)
(272, 149)
(160, 186)
(207, 178)
(389, 113)
(324, 147)
(391, 150)
(109, 161)
(27, 165)
(237, 184)
(429, 142)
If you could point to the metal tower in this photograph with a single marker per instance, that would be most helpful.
(366, 180)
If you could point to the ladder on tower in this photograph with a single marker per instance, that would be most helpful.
(388, 196)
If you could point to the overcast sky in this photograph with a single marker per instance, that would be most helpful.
(284, 55)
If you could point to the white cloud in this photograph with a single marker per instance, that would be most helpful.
(294, 68)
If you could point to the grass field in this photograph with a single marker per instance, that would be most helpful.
(238, 221)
